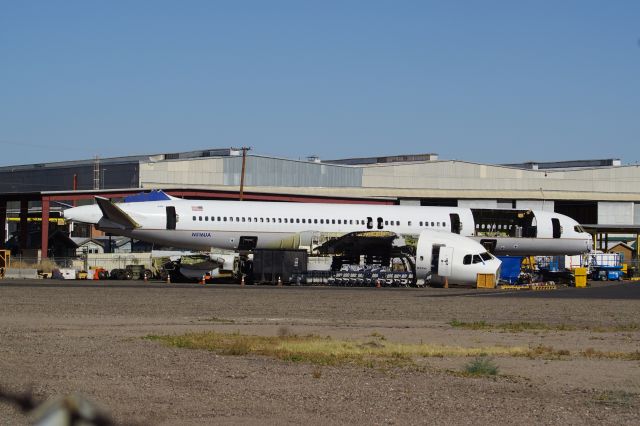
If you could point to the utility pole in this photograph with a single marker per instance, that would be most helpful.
(96, 173)
(244, 165)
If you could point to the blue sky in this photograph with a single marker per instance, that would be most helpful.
(490, 81)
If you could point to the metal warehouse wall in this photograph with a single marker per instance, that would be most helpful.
(60, 178)
(262, 171)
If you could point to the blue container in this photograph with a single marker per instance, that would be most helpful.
(510, 268)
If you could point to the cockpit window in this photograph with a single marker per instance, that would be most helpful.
(466, 260)
(485, 256)
(476, 259)
(578, 228)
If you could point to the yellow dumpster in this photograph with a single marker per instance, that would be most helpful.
(580, 275)
(486, 281)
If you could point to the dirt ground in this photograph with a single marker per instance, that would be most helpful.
(57, 338)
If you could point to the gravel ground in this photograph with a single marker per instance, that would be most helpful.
(58, 337)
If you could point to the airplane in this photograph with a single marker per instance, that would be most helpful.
(249, 225)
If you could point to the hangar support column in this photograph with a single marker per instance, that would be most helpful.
(44, 238)
(3, 222)
(24, 223)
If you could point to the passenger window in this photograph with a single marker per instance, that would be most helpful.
(432, 224)
(237, 219)
(261, 219)
(420, 223)
(243, 219)
(298, 220)
(339, 221)
(200, 218)
(409, 223)
(397, 222)
(322, 221)
(206, 218)
(386, 222)
(194, 218)
(315, 220)
(333, 221)
(444, 224)
(248, 219)
(350, 221)
(285, 220)
(279, 220)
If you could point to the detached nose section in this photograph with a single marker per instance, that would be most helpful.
(493, 266)
(83, 214)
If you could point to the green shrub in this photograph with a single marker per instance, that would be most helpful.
(481, 366)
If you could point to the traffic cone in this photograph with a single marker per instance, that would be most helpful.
(242, 280)
(279, 282)
(168, 278)
(202, 281)
(378, 283)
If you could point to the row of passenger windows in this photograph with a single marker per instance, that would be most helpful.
(304, 220)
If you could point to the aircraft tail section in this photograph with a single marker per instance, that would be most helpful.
(113, 216)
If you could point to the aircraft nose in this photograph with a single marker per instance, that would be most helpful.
(84, 214)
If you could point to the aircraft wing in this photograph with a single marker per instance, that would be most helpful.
(361, 242)
(113, 216)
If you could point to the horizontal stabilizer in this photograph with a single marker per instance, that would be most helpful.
(113, 216)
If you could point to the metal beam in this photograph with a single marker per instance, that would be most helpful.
(45, 228)
(3, 222)
(24, 224)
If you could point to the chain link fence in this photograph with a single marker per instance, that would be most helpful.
(81, 263)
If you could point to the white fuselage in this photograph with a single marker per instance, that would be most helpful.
(205, 224)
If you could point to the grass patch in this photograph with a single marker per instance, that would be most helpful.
(625, 356)
(481, 366)
(316, 373)
(377, 335)
(327, 351)
(373, 353)
(45, 265)
(521, 326)
(284, 331)
(217, 320)
(618, 397)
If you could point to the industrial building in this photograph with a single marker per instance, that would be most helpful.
(602, 194)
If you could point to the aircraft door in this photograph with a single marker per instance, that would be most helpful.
(456, 225)
(380, 223)
(172, 217)
(435, 257)
(445, 260)
(247, 243)
(369, 223)
(557, 229)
